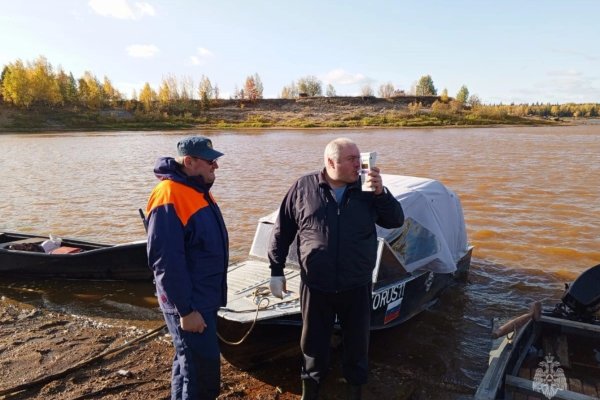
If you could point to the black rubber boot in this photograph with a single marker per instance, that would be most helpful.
(310, 389)
(353, 392)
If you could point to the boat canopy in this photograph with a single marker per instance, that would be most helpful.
(432, 238)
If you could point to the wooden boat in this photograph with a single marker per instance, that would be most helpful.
(555, 354)
(415, 263)
(21, 255)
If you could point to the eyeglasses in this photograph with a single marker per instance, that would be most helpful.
(210, 162)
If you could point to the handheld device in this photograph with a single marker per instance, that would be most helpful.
(367, 162)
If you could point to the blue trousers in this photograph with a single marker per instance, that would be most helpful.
(196, 372)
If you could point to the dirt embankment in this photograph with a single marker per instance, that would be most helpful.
(318, 109)
(299, 113)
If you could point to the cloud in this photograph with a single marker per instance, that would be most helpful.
(342, 77)
(121, 9)
(142, 50)
(201, 57)
(559, 86)
(587, 56)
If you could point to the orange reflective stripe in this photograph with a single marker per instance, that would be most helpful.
(184, 199)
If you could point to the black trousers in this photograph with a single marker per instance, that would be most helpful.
(319, 309)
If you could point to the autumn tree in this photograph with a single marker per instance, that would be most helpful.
(474, 101)
(250, 88)
(42, 83)
(310, 85)
(386, 90)
(90, 92)
(67, 85)
(425, 87)
(147, 97)
(15, 85)
(290, 92)
(111, 95)
(366, 91)
(330, 91)
(444, 96)
(168, 92)
(2, 75)
(258, 85)
(205, 92)
(186, 89)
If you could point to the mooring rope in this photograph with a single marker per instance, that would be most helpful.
(260, 295)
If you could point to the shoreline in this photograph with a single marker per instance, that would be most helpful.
(269, 114)
(36, 343)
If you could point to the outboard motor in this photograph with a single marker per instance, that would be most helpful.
(582, 297)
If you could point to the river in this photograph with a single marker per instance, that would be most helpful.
(530, 195)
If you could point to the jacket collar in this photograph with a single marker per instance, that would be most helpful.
(168, 168)
(323, 181)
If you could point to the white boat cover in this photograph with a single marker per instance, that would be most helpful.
(433, 236)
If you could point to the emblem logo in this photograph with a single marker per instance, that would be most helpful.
(549, 378)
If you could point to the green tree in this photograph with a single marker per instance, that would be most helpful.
(425, 87)
(310, 85)
(463, 95)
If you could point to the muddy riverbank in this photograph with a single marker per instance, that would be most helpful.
(36, 344)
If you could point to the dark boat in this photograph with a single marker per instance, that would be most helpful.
(415, 263)
(554, 354)
(22, 255)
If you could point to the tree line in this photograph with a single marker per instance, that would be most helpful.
(38, 83)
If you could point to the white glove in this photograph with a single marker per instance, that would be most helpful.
(277, 286)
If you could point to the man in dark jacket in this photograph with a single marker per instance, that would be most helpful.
(333, 223)
(188, 250)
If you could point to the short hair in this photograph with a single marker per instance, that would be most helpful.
(332, 150)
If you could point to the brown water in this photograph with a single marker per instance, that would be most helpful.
(531, 201)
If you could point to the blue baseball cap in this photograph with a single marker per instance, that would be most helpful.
(197, 146)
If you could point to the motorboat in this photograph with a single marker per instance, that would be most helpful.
(552, 353)
(414, 264)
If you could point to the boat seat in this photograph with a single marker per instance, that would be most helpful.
(37, 240)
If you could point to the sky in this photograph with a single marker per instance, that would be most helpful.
(526, 51)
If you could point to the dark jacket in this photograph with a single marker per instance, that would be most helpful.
(337, 243)
(188, 246)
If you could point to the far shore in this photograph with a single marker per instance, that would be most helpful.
(304, 113)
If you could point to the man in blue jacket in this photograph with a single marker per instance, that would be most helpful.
(188, 250)
(333, 223)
